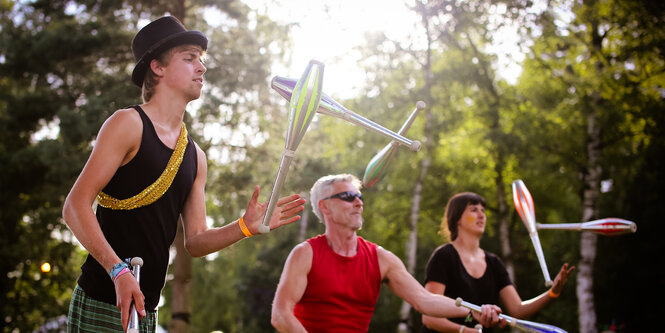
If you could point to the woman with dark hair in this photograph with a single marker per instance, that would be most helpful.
(462, 269)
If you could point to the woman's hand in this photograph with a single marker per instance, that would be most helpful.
(561, 278)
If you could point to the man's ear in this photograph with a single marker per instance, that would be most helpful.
(323, 207)
(157, 67)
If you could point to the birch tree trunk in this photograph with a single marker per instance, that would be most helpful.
(502, 214)
(587, 310)
(592, 176)
(412, 242)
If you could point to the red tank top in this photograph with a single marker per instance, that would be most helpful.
(341, 291)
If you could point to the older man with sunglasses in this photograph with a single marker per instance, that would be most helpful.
(331, 282)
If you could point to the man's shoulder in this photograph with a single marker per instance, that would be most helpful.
(124, 125)
(130, 110)
(300, 258)
(125, 117)
(302, 249)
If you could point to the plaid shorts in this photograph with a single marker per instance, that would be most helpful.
(90, 315)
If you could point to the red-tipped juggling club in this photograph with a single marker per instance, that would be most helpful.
(524, 205)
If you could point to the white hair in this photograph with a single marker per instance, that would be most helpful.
(323, 188)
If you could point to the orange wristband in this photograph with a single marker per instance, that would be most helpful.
(244, 228)
(553, 295)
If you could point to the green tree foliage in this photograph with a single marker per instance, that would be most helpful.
(62, 67)
(603, 61)
(65, 65)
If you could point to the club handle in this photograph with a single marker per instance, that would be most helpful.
(610, 226)
(361, 121)
(522, 325)
(541, 258)
(460, 302)
(133, 325)
(420, 105)
(287, 157)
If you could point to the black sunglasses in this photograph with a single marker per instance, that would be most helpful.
(347, 196)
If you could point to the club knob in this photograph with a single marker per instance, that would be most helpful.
(415, 146)
(136, 261)
(264, 229)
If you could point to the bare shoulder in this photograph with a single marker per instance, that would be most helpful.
(386, 255)
(300, 258)
(120, 137)
(302, 251)
(129, 115)
(388, 262)
(125, 123)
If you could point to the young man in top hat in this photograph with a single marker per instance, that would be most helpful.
(146, 173)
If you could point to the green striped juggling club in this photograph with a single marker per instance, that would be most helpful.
(302, 108)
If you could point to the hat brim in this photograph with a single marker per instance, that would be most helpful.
(186, 37)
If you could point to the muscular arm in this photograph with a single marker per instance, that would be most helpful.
(291, 288)
(117, 143)
(406, 287)
(201, 240)
(435, 323)
(523, 309)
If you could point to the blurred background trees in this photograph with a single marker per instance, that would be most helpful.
(583, 126)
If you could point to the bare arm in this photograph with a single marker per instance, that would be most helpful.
(436, 323)
(201, 240)
(523, 309)
(291, 288)
(406, 287)
(117, 143)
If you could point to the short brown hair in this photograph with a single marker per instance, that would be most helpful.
(454, 210)
(151, 80)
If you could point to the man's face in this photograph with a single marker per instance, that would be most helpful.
(184, 71)
(339, 213)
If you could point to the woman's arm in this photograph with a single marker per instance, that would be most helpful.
(517, 308)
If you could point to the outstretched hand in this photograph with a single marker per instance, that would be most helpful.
(561, 278)
(284, 213)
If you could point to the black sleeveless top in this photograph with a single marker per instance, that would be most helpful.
(148, 231)
(446, 267)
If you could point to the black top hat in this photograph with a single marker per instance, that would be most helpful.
(157, 37)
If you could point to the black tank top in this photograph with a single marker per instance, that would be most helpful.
(148, 231)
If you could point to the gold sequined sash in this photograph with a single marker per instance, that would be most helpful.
(155, 191)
